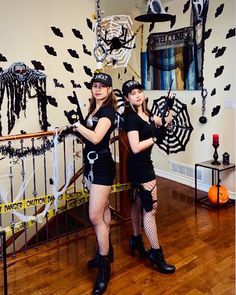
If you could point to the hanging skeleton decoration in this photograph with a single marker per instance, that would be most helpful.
(16, 82)
(200, 9)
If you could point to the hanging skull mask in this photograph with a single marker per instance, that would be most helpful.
(200, 9)
(20, 71)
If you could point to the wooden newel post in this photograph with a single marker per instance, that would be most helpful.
(125, 199)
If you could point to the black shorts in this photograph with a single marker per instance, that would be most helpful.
(104, 169)
(141, 173)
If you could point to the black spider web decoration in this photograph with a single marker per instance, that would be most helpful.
(178, 134)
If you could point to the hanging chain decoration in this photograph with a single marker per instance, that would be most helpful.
(99, 51)
(203, 118)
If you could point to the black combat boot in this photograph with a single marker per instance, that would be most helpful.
(136, 243)
(157, 259)
(104, 271)
(94, 261)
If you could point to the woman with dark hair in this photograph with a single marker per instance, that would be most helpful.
(99, 171)
(141, 131)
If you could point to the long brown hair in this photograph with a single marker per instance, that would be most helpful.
(110, 100)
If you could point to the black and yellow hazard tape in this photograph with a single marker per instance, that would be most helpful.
(74, 199)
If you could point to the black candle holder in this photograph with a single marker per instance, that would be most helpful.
(215, 155)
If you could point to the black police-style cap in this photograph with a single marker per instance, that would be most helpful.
(103, 78)
(129, 85)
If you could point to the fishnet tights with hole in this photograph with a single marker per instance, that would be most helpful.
(149, 218)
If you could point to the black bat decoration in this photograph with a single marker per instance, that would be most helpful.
(77, 34)
(193, 101)
(1, 69)
(52, 100)
(213, 92)
(220, 51)
(74, 84)
(50, 50)
(215, 111)
(2, 58)
(207, 34)
(73, 53)
(186, 6)
(118, 76)
(227, 88)
(37, 65)
(219, 71)
(57, 32)
(89, 23)
(219, 10)
(202, 137)
(231, 33)
(57, 84)
(88, 71)
(68, 67)
(125, 71)
(214, 50)
(86, 51)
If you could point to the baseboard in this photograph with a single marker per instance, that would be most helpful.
(188, 181)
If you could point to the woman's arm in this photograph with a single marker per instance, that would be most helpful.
(136, 145)
(97, 135)
(163, 121)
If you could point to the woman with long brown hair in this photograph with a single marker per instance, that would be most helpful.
(99, 171)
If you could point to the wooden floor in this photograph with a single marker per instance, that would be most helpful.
(199, 241)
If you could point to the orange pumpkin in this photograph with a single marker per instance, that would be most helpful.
(223, 194)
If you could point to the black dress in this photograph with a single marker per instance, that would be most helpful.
(140, 167)
(104, 168)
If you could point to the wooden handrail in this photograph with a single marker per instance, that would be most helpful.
(27, 135)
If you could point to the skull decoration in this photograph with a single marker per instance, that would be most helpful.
(155, 6)
(20, 71)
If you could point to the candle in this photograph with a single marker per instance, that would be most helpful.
(215, 139)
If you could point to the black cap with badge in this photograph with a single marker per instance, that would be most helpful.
(103, 78)
(129, 85)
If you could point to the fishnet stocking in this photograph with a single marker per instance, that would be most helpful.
(149, 218)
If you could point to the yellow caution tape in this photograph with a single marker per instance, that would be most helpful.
(74, 199)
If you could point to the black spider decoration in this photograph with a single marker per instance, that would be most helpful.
(118, 42)
(17, 81)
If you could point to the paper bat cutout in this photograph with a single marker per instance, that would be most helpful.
(73, 53)
(202, 137)
(118, 76)
(68, 67)
(88, 85)
(215, 111)
(89, 23)
(125, 71)
(77, 34)
(186, 6)
(74, 84)
(37, 65)
(214, 50)
(219, 71)
(213, 92)
(193, 101)
(88, 71)
(57, 84)
(220, 51)
(50, 50)
(73, 99)
(57, 32)
(231, 33)
(52, 100)
(2, 58)
(86, 51)
(227, 88)
(207, 34)
(219, 10)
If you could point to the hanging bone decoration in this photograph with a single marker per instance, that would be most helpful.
(16, 82)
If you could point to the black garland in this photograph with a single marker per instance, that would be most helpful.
(8, 150)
